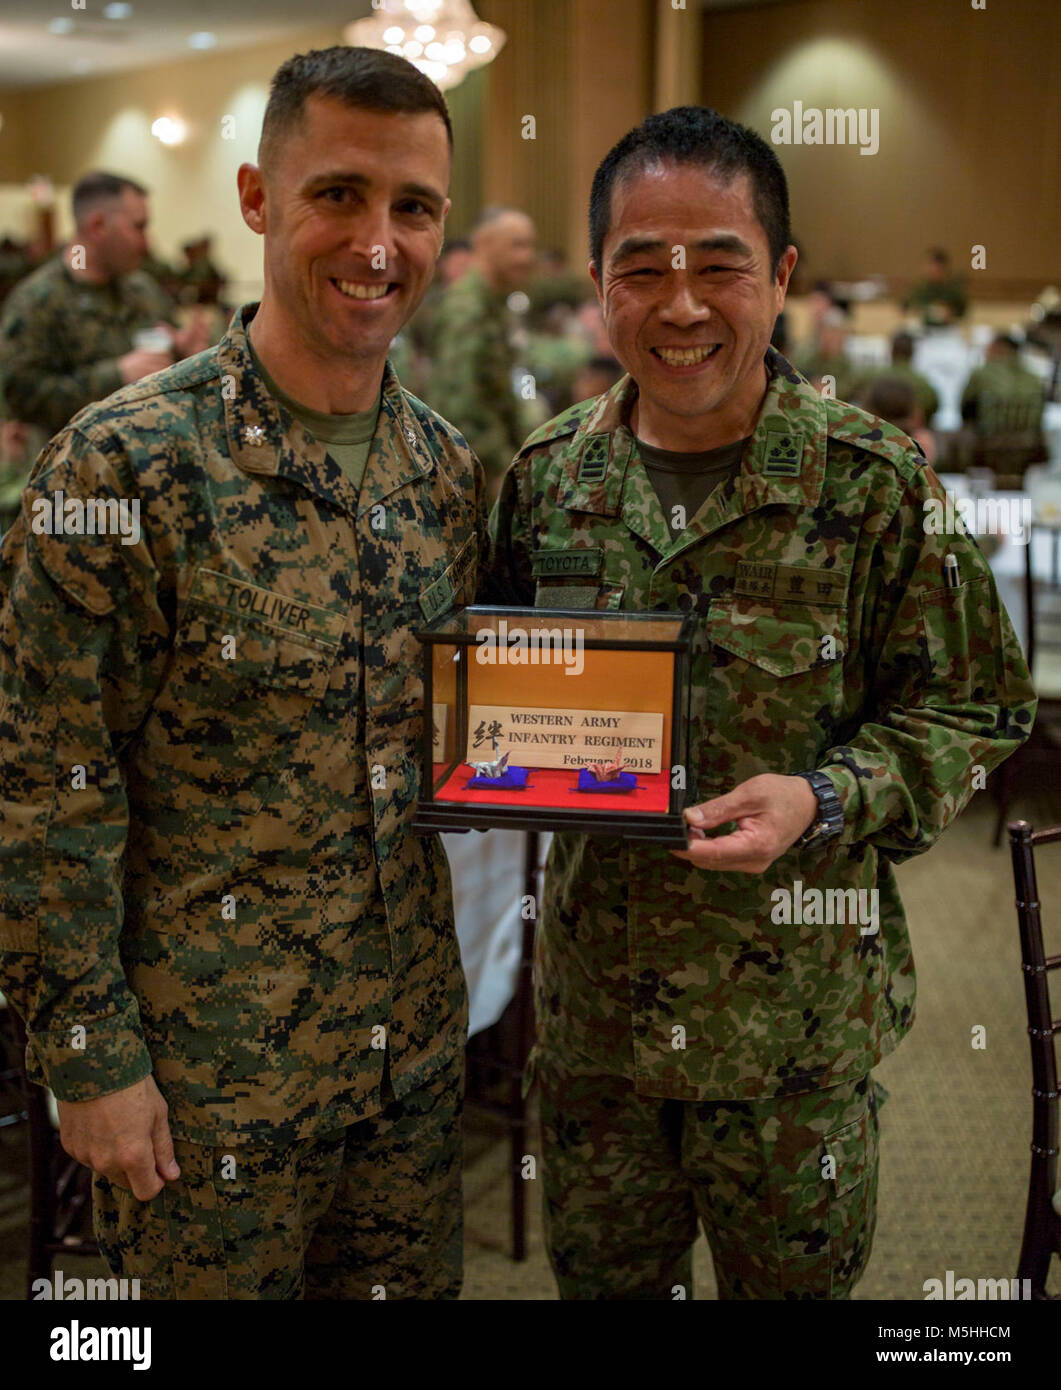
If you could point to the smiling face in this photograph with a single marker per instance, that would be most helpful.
(352, 212)
(692, 337)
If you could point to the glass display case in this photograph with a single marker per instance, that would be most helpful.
(556, 719)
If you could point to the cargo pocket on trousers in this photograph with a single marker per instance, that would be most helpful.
(198, 1257)
(852, 1200)
(172, 1244)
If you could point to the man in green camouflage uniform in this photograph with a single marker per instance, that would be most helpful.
(471, 378)
(940, 297)
(706, 1031)
(68, 329)
(901, 367)
(227, 945)
(1003, 396)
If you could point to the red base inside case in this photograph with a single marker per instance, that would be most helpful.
(553, 786)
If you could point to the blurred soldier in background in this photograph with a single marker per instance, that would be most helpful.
(1003, 396)
(89, 320)
(940, 297)
(471, 378)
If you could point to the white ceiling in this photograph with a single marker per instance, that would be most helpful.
(156, 31)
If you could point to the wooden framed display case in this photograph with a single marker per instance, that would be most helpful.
(556, 719)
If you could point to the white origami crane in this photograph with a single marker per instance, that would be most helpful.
(492, 769)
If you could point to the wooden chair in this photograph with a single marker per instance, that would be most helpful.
(60, 1187)
(12, 1090)
(1039, 758)
(496, 1059)
(1042, 1220)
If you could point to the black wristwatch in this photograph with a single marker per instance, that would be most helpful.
(830, 818)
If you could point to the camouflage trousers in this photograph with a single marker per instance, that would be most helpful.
(369, 1211)
(785, 1188)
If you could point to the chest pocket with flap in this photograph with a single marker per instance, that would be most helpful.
(231, 711)
(769, 684)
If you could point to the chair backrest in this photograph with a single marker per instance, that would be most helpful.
(1042, 1229)
(1036, 964)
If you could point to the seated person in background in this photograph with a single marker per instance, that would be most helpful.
(1003, 404)
(1002, 396)
(894, 399)
(826, 357)
(940, 297)
(902, 356)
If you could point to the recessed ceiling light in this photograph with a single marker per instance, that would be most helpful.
(117, 10)
(60, 26)
(169, 129)
(203, 39)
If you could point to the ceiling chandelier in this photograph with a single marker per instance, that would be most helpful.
(445, 39)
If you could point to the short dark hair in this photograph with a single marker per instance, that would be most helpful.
(902, 346)
(99, 187)
(699, 136)
(893, 398)
(366, 78)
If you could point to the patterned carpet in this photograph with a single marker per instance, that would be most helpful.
(955, 1131)
(957, 1125)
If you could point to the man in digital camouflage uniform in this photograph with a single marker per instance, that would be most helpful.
(471, 376)
(67, 335)
(227, 946)
(705, 1038)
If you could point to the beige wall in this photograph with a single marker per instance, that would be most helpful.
(64, 130)
(970, 129)
(106, 123)
(583, 70)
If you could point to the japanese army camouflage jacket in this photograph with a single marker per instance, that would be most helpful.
(826, 639)
(210, 744)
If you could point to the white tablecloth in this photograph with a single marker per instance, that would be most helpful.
(488, 885)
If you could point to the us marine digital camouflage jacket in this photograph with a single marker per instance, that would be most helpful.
(60, 340)
(210, 749)
(825, 639)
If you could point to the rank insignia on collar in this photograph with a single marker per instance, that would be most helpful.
(410, 435)
(784, 455)
(253, 434)
(594, 462)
